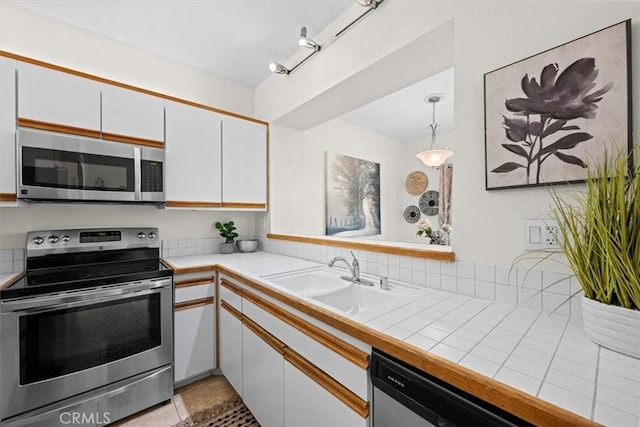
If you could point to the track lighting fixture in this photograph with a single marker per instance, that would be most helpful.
(304, 41)
(368, 3)
(276, 68)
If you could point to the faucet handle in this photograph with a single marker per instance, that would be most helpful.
(353, 255)
(384, 283)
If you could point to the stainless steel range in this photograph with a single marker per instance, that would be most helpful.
(87, 332)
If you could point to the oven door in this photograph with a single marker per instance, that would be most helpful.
(55, 166)
(63, 345)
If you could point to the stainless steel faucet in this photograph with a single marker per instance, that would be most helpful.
(354, 268)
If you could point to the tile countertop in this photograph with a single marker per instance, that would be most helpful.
(543, 355)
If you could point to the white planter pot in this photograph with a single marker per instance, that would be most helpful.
(615, 328)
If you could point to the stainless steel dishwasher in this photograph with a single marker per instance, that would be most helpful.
(404, 396)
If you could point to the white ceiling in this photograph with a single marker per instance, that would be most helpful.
(235, 39)
(404, 115)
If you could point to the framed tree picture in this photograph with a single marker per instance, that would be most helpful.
(352, 196)
(550, 115)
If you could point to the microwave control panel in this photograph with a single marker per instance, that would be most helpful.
(151, 176)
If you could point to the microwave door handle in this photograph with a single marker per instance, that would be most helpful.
(137, 174)
(80, 172)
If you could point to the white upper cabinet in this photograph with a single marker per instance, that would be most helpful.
(7, 129)
(127, 113)
(193, 156)
(244, 163)
(58, 98)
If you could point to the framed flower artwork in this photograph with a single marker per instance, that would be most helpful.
(549, 116)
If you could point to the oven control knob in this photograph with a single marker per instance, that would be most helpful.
(37, 240)
(152, 235)
(66, 238)
(53, 239)
(141, 235)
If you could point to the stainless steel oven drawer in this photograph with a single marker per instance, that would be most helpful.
(105, 405)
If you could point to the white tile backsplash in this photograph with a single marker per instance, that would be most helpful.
(11, 260)
(531, 288)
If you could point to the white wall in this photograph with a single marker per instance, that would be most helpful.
(488, 35)
(33, 35)
(30, 34)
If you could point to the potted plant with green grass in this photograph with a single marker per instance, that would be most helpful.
(600, 236)
(228, 231)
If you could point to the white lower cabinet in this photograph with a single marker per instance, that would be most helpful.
(194, 342)
(231, 348)
(307, 404)
(262, 380)
(273, 367)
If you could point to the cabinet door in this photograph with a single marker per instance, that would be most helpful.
(127, 114)
(262, 380)
(193, 156)
(194, 341)
(308, 404)
(52, 97)
(244, 164)
(231, 348)
(7, 129)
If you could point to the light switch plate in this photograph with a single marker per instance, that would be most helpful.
(541, 234)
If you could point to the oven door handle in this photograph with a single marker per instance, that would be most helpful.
(30, 306)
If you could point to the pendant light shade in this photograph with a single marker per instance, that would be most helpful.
(432, 157)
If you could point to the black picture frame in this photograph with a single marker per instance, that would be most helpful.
(550, 115)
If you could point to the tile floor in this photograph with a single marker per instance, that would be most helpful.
(186, 401)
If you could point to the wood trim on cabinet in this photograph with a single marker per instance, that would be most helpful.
(349, 398)
(8, 197)
(187, 270)
(192, 304)
(228, 307)
(338, 346)
(373, 247)
(273, 342)
(217, 325)
(125, 86)
(519, 403)
(55, 127)
(231, 286)
(132, 140)
(194, 282)
(243, 205)
(188, 204)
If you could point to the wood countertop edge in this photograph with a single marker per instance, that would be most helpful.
(524, 405)
(11, 279)
(186, 270)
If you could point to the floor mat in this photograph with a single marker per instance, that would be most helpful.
(231, 413)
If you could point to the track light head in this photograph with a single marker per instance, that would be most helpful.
(368, 3)
(276, 68)
(304, 41)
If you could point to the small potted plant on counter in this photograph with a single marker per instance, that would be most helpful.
(600, 236)
(228, 231)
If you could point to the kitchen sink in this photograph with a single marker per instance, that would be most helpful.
(308, 281)
(355, 298)
(325, 287)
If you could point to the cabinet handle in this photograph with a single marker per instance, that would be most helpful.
(231, 286)
(194, 282)
(193, 303)
(228, 307)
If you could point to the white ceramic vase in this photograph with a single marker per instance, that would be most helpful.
(613, 327)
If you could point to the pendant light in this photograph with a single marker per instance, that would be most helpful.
(432, 157)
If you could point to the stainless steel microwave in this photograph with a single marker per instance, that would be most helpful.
(53, 166)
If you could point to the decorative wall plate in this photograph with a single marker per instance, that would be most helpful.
(416, 182)
(429, 203)
(411, 214)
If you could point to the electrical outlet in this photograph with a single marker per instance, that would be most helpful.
(541, 234)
